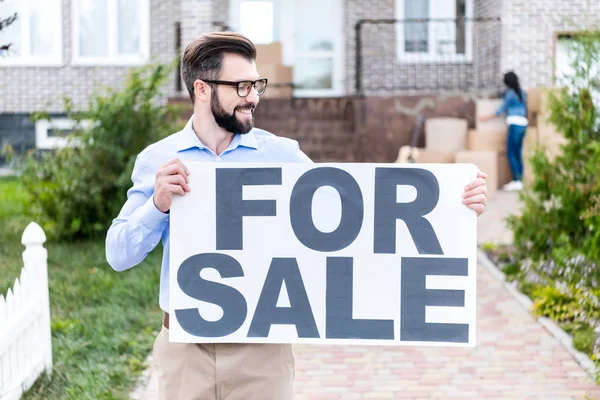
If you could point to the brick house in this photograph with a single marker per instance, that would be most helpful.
(63, 47)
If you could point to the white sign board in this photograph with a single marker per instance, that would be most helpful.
(360, 254)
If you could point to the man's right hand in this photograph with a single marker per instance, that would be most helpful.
(171, 178)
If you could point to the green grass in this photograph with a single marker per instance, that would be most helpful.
(103, 322)
(12, 223)
(583, 336)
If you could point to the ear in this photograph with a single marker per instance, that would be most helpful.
(202, 90)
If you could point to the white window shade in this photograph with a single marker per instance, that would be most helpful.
(111, 32)
(416, 35)
(93, 28)
(444, 35)
(257, 20)
(35, 37)
(129, 28)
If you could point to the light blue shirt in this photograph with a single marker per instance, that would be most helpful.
(514, 108)
(140, 226)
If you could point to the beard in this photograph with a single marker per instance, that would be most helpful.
(227, 121)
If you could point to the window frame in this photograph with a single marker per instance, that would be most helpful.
(29, 60)
(113, 58)
(284, 33)
(45, 142)
(403, 57)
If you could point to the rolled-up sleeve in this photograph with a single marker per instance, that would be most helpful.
(138, 228)
(504, 106)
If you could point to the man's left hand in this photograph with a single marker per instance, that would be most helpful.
(476, 193)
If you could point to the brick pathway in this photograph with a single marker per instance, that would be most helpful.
(515, 357)
(491, 226)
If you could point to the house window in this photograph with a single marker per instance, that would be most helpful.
(311, 35)
(566, 53)
(253, 12)
(54, 133)
(434, 30)
(35, 36)
(111, 32)
(316, 46)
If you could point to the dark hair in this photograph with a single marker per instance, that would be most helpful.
(203, 57)
(511, 80)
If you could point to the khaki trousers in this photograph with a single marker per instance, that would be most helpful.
(194, 371)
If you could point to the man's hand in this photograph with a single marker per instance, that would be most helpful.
(171, 178)
(475, 194)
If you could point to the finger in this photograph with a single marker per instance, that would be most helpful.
(475, 183)
(177, 180)
(170, 162)
(481, 174)
(477, 190)
(173, 169)
(478, 208)
(187, 171)
(176, 189)
(175, 161)
(478, 198)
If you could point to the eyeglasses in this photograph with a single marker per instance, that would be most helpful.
(243, 87)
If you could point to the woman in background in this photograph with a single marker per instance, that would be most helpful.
(515, 108)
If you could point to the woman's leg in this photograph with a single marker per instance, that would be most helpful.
(512, 150)
(520, 136)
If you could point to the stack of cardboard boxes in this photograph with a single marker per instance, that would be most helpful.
(486, 146)
(448, 140)
(269, 63)
(548, 135)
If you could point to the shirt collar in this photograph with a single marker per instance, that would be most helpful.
(188, 139)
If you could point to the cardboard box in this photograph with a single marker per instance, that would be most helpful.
(486, 141)
(534, 98)
(269, 53)
(547, 134)
(446, 134)
(489, 107)
(531, 138)
(280, 77)
(428, 156)
(529, 146)
(486, 161)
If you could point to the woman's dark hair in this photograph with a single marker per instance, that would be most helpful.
(511, 80)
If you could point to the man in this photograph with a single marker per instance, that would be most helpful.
(220, 75)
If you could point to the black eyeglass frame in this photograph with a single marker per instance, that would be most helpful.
(237, 85)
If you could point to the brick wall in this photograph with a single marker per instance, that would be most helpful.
(381, 72)
(528, 33)
(353, 129)
(380, 68)
(27, 89)
(196, 17)
(390, 120)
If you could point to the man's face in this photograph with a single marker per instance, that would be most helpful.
(232, 112)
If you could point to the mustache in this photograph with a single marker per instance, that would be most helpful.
(250, 107)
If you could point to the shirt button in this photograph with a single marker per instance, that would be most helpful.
(218, 158)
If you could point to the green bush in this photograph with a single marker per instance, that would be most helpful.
(561, 211)
(76, 191)
(563, 303)
(557, 233)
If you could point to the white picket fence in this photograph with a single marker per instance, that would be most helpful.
(25, 337)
